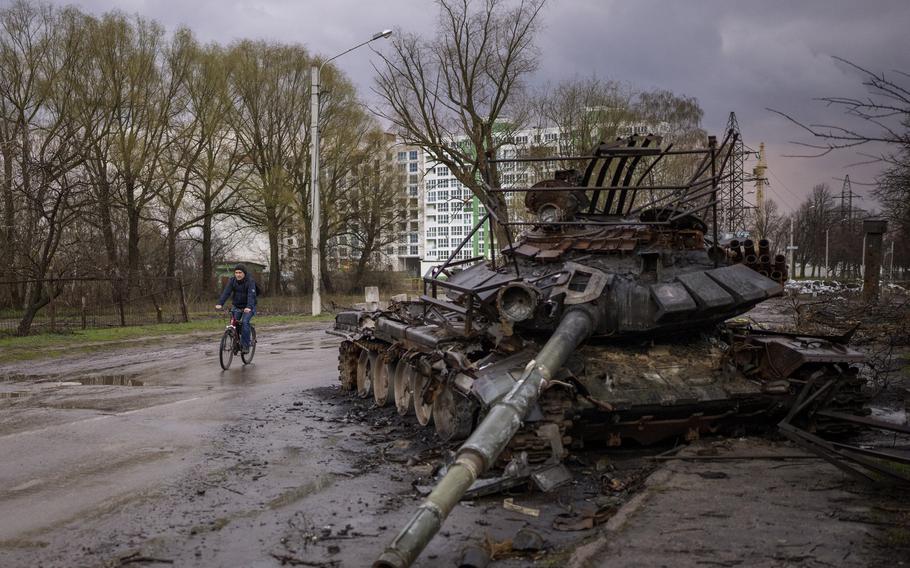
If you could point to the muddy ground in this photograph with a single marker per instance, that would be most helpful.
(153, 456)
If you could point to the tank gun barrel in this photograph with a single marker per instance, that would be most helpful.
(490, 438)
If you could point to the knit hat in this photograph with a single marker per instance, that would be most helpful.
(241, 268)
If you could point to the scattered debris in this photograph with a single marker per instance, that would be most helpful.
(550, 477)
(509, 505)
(527, 540)
(138, 558)
(586, 516)
(473, 556)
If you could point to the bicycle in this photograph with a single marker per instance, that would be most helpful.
(230, 343)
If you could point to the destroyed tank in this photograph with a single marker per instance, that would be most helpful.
(607, 320)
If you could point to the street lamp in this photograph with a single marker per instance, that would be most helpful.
(315, 70)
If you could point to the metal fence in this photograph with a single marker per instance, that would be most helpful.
(93, 303)
(83, 303)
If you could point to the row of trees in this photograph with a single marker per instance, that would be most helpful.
(828, 236)
(128, 152)
(877, 126)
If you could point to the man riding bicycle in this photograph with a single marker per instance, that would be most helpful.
(242, 289)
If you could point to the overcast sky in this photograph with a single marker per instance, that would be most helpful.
(731, 55)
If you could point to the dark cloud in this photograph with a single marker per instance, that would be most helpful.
(740, 56)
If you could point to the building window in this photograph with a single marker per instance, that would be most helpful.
(442, 183)
(521, 139)
(412, 167)
(413, 155)
(442, 171)
(412, 191)
(414, 250)
(402, 156)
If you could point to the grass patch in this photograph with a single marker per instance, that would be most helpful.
(46, 345)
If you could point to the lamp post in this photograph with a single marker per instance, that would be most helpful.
(315, 71)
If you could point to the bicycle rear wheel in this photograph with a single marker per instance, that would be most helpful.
(226, 350)
(247, 358)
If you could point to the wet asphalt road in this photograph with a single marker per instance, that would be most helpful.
(154, 456)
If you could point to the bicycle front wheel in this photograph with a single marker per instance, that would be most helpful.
(247, 358)
(226, 351)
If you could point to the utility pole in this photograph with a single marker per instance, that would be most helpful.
(827, 266)
(792, 250)
(316, 222)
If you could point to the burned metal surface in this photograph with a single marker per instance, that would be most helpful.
(602, 322)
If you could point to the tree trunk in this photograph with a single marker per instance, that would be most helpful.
(8, 252)
(132, 250)
(327, 285)
(206, 281)
(107, 228)
(171, 270)
(37, 300)
(274, 263)
(361, 268)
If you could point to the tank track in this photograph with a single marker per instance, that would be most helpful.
(348, 352)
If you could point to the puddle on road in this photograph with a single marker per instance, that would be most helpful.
(14, 394)
(121, 380)
(110, 380)
(23, 378)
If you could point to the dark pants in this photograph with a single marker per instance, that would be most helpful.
(244, 318)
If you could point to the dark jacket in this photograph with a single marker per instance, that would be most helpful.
(244, 293)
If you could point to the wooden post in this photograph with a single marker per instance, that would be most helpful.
(118, 293)
(52, 308)
(158, 315)
(84, 322)
(183, 310)
(874, 229)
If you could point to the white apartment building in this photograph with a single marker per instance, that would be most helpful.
(440, 211)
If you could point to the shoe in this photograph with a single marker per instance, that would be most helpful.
(246, 350)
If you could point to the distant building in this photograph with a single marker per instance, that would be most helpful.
(225, 270)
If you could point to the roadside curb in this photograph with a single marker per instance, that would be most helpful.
(585, 555)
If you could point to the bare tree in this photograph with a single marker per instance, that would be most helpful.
(269, 86)
(878, 126)
(882, 117)
(143, 76)
(50, 185)
(374, 202)
(459, 96)
(586, 112)
(27, 41)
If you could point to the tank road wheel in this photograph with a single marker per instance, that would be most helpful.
(453, 415)
(423, 411)
(348, 353)
(401, 387)
(382, 376)
(365, 365)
